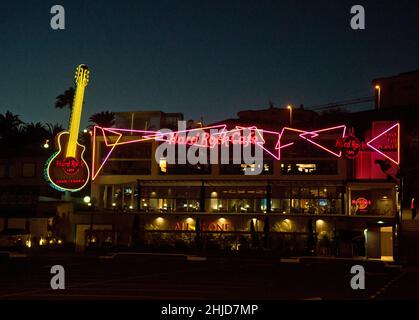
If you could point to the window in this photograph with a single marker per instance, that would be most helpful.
(307, 200)
(239, 169)
(127, 167)
(28, 170)
(318, 167)
(185, 169)
(372, 202)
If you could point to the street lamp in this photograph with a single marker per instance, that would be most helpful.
(86, 199)
(90, 202)
(289, 107)
(378, 89)
(46, 144)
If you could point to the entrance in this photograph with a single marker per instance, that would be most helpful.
(379, 243)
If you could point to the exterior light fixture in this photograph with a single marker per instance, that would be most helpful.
(86, 199)
(378, 89)
(289, 107)
(46, 144)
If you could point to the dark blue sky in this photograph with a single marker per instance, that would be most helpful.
(202, 58)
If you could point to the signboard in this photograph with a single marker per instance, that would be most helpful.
(350, 146)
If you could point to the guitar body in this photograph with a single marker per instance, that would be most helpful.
(67, 173)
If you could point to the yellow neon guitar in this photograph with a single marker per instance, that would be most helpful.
(66, 170)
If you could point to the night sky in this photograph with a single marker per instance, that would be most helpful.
(202, 58)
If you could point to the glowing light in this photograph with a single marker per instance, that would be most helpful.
(204, 139)
(28, 243)
(159, 220)
(81, 81)
(320, 223)
(374, 147)
(51, 159)
(131, 207)
(86, 199)
(314, 134)
(380, 222)
(46, 144)
(114, 204)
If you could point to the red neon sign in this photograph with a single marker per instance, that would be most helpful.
(362, 203)
(253, 135)
(387, 143)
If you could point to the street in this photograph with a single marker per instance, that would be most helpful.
(168, 277)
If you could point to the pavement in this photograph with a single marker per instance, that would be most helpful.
(155, 276)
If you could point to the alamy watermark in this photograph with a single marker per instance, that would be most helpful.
(218, 146)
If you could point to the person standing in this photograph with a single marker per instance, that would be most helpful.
(413, 208)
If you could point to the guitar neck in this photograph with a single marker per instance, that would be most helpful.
(75, 121)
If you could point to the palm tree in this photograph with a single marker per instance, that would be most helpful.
(36, 132)
(9, 124)
(65, 99)
(104, 119)
(54, 129)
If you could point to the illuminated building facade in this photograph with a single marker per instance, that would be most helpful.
(309, 199)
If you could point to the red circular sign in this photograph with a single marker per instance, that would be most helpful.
(351, 146)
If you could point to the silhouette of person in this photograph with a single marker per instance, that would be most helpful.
(413, 208)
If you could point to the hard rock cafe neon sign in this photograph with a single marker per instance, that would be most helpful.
(362, 203)
(351, 146)
(210, 137)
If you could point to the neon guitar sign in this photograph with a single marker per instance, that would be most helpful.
(66, 170)
(346, 145)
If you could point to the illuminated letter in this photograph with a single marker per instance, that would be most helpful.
(58, 20)
(358, 20)
(58, 280)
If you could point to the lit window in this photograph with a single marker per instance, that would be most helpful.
(163, 165)
(306, 167)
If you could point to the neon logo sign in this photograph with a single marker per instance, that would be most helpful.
(350, 145)
(387, 143)
(244, 136)
(362, 203)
